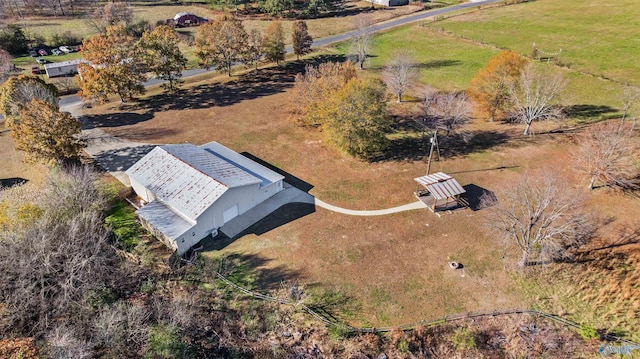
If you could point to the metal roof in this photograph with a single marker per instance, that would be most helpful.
(441, 185)
(164, 219)
(187, 178)
(64, 63)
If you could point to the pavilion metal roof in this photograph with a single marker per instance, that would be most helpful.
(441, 185)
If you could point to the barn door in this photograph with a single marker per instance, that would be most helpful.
(230, 213)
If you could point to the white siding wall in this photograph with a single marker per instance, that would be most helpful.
(245, 197)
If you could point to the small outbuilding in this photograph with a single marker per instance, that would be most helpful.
(64, 68)
(191, 191)
(439, 191)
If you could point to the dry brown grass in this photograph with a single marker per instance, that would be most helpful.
(395, 266)
(12, 162)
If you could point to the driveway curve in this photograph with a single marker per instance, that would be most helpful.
(377, 212)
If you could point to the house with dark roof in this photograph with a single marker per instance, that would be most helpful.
(191, 191)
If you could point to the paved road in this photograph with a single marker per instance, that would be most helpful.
(72, 99)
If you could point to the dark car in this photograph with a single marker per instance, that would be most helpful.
(33, 53)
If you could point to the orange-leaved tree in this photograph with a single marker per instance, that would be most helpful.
(46, 134)
(489, 89)
(114, 66)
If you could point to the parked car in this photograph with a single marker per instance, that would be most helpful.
(40, 60)
(43, 52)
(35, 70)
(33, 53)
(66, 49)
(56, 52)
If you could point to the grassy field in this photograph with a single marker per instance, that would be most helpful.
(596, 37)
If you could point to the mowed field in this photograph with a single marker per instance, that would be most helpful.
(394, 269)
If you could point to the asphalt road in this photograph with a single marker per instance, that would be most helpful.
(73, 99)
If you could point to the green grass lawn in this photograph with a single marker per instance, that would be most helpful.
(600, 38)
(448, 62)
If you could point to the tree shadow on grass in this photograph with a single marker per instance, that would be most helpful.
(250, 271)
(114, 119)
(590, 112)
(248, 86)
(475, 194)
(12, 182)
(121, 159)
(456, 145)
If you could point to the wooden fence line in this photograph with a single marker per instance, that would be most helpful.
(411, 326)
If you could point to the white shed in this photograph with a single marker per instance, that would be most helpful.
(64, 68)
(192, 191)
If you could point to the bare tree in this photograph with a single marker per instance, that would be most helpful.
(399, 73)
(54, 256)
(360, 41)
(536, 96)
(446, 112)
(540, 218)
(6, 67)
(112, 13)
(608, 154)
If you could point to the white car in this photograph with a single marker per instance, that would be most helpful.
(66, 49)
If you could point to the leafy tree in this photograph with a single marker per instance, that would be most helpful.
(273, 42)
(539, 218)
(312, 88)
(17, 91)
(114, 66)
(162, 55)
(46, 134)
(255, 48)
(221, 43)
(301, 39)
(355, 118)
(609, 155)
(6, 66)
(13, 39)
(399, 73)
(489, 89)
(360, 41)
(276, 7)
(536, 96)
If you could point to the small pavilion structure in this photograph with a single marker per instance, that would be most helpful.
(439, 191)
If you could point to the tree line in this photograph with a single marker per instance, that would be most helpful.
(117, 61)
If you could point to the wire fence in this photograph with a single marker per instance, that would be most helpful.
(424, 323)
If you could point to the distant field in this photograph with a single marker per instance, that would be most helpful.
(598, 37)
(449, 63)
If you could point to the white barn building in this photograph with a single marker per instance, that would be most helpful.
(191, 191)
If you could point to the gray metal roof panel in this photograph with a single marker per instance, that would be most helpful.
(164, 219)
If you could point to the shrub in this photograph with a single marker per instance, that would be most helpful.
(463, 339)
